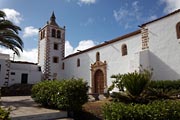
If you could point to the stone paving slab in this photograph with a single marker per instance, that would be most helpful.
(24, 108)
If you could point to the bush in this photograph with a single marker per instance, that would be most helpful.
(131, 86)
(44, 93)
(165, 84)
(157, 110)
(135, 83)
(65, 95)
(165, 88)
(4, 115)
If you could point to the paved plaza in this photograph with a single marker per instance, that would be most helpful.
(24, 108)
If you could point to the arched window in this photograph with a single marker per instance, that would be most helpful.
(41, 35)
(53, 33)
(178, 30)
(58, 34)
(124, 49)
(97, 56)
(78, 62)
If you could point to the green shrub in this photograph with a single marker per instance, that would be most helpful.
(4, 115)
(165, 84)
(157, 110)
(65, 95)
(165, 88)
(44, 92)
(135, 83)
(131, 85)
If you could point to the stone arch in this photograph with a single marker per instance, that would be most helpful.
(98, 77)
(124, 49)
(58, 34)
(53, 33)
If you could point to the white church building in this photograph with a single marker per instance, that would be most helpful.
(155, 45)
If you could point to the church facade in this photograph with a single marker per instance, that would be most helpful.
(155, 45)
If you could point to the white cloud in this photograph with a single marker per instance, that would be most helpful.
(88, 22)
(29, 55)
(120, 14)
(153, 17)
(26, 55)
(13, 15)
(87, 2)
(135, 6)
(30, 31)
(68, 48)
(128, 14)
(171, 5)
(84, 44)
(32, 54)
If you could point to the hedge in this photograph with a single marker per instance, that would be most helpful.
(157, 110)
(165, 84)
(4, 115)
(65, 95)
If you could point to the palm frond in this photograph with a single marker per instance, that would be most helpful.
(2, 14)
(9, 35)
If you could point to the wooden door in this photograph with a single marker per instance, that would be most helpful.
(99, 82)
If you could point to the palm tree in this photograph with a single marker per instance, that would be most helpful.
(9, 35)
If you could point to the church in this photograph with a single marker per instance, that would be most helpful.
(155, 45)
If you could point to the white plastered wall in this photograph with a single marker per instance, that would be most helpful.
(164, 47)
(111, 53)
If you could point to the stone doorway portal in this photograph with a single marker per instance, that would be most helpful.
(98, 77)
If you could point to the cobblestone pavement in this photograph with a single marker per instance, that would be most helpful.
(24, 108)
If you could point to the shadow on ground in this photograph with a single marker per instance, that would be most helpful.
(86, 116)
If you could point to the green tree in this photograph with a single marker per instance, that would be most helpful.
(9, 35)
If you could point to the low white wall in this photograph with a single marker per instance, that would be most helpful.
(17, 69)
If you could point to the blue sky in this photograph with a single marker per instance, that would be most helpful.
(88, 22)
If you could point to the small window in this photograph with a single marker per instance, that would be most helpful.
(124, 49)
(53, 34)
(55, 59)
(39, 68)
(97, 56)
(58, 34)
(78, 62)
(13, 73)
(63, 66)
(55, 46)
(178, 30)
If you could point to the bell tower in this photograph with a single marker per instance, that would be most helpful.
(51, 47)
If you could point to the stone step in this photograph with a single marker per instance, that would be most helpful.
(46, 116)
